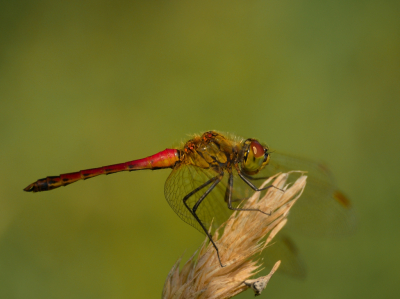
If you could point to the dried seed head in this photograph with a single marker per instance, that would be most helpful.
(240, 240)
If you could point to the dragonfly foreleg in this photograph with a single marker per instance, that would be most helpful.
(243, 177)
(257, 178)
(228, 196)
(215, 180)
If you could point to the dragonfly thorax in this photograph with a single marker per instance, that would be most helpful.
(211, 150)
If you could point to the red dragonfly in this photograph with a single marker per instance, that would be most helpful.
(214, 172)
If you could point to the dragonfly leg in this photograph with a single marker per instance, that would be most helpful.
(228, 197)
(243, 177)
(215, 180)
(256, 179)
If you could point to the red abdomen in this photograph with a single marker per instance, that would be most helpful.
(165, 159)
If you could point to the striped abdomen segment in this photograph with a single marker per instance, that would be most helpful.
(165, 159)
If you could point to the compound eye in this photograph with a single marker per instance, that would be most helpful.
(255, 157)
(257, 148)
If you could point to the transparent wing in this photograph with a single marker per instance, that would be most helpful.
(322, 209)
(213, 209)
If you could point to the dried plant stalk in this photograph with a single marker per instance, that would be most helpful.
(239, 240)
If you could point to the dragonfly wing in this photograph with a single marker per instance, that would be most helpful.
(212, 210)
(322, 209)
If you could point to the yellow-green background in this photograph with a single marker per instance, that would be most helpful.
(91, 83)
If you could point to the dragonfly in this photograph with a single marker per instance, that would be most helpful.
(213, 173)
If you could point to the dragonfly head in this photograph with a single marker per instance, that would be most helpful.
(254, 156)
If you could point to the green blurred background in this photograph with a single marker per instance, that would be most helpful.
(91, 83)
